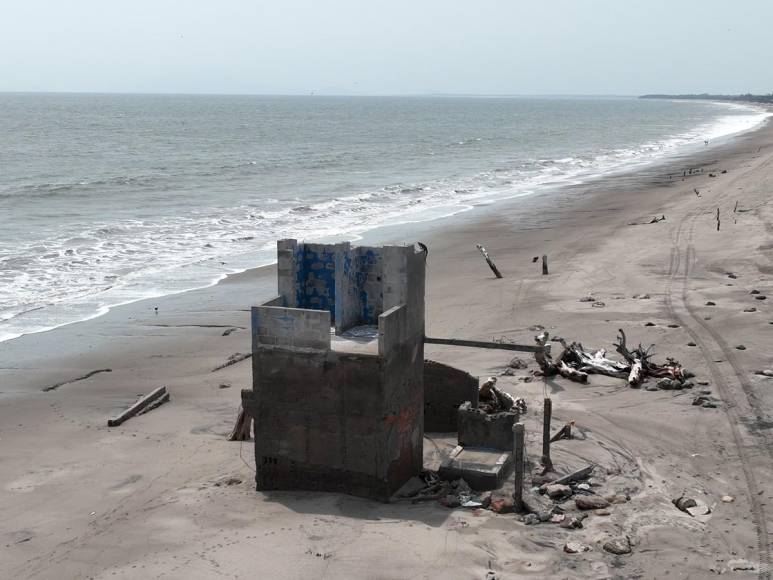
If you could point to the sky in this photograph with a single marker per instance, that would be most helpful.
(392, 47)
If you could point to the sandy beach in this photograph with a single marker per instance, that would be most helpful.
(166, 496)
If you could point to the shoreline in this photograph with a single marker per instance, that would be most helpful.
(147, 499)
(685, 155)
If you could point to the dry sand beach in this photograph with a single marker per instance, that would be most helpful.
(166, 496)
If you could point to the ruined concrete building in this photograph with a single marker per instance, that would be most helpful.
(338, 363)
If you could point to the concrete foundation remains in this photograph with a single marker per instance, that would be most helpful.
(445, 388)
(482, 469)
(480, 429)
(329, 417)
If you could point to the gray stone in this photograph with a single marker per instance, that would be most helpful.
(558, 491)
(531, 519)
(618, 546)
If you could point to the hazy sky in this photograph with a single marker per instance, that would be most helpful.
(387, 47)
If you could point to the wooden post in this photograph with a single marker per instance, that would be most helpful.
(518, 459)
(544, 265)
(735, 209)
(489, 261)
(147, 403)
(717, 219)
(546, 414)
(243, 427)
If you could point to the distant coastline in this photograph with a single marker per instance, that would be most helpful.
(746, 98)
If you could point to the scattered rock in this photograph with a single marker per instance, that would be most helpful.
(644, 297)
(619, 546)
(673, 326)
(508, 372)
(517, 363)
(703, 383)
(225, 386)
(740, 347)
(557, 518)
(618, 498)
(728, 499)
(530, 519)
(588, 299)
(750, 309)
(452, 501)
(572, 523)
(691, 344)
(590, 502)
(764, 373)
(683, 503)
(603, 513)
(731, 275)
(558, 491)
(575, 548)
(710, 303)
(504, 505)
(741, 565)
(584, 487)
(754, 292)
(598, 304)
(650, 324)
(760, 297)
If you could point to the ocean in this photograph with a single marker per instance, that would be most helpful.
(108, 199)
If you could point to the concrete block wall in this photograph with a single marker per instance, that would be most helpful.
(330, 421)
(480, 429)
(290, 327)
(445, 388)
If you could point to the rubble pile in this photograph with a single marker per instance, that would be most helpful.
(637, 366)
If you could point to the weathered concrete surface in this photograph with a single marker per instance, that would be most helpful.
(483, 469)
(445, 388)
(479, 429)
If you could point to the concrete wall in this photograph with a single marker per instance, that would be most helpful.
(445, 388)
(290, 327)
(480, 429)
(331, 421)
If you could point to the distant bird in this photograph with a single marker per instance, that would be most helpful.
(156, 309)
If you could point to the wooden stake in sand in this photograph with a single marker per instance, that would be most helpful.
(547, 412)
(519, 436)
(544, 265)
(243, 427)
(489, 261)
(717, 219)
(145, 404)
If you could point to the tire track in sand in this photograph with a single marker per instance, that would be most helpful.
(683, 258)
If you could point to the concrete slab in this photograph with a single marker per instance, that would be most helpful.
(483, 469)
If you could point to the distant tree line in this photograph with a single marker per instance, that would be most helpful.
(748, 97)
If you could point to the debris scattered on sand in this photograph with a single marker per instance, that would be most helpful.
(232, 360)
(517, 363)
(83, 378)
(740, 347)
(710, 303)
(728, 499)
(755, 291)
(224, 386)
(750, 309)
(764, 373)
(493, 400)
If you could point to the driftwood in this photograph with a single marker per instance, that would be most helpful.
(145, 404)
(243, 427)
(556, 366)
(489, 261)
(576, 363)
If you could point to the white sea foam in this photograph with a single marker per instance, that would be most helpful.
(76, 275)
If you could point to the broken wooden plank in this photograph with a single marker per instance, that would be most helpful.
(143, 405)
(578, 475)
(83, 378)
(486, 344)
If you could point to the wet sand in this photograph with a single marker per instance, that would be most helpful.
(148, 499)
